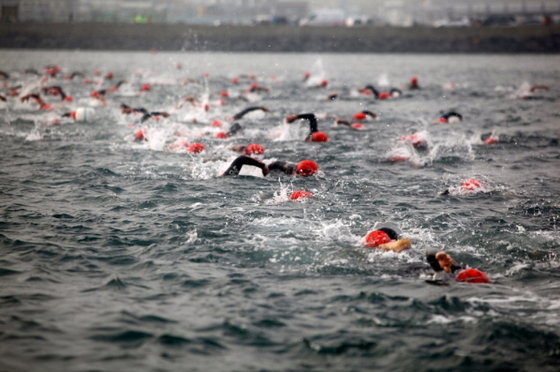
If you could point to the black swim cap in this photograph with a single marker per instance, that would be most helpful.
(392, 233)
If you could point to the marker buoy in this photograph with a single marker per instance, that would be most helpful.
(472, 276)
(196, 148)
(307, 168)
(319, 137)
(300, 194)
(375, 238)
(84, 114)
(254, 149)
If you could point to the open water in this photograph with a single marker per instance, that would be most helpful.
(124, 255)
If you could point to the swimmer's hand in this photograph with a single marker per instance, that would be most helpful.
(265, 170)
(291, 118)
(396, 246)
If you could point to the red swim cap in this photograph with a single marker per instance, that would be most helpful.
(224, 94)
(300, 194)
(319, 137)
(414, 139)
(68, 99)
(442, 120)
(216, 123)
(196, 148)
(307, 168)
(254, 149)
(490, 140)
(383, 95)
(139, 135)
(375, 238)
(472, 276)
(146, 87)
(357, 126)
(471, 185)
(221, 135)
(359, 116)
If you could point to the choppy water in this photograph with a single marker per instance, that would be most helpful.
(119, 255)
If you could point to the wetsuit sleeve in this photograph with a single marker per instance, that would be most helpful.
(237, 164)
(282, 166)
(239, 115)
(313, 127)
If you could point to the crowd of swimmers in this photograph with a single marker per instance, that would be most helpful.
(383, 238)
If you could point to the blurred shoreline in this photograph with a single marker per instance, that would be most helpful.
(279, 38)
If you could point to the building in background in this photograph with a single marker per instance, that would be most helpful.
(394, 12)
(9, 11)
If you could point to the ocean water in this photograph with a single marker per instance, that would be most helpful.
(125, 255)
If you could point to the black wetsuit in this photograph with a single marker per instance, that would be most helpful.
(239, 115)
(452, 114)
(313, 125)
(373, 90)
(239, 162)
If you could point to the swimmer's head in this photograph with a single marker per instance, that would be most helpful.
(319, 137)
(196, 148)
(254, 149)
(376, 238)
(307, 168)
(472, 276)
(472, 185)
(300, 194)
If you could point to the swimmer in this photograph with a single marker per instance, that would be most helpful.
(75, 74)
(446, 270)
(116, 87)
(154, 114)
(52, 70)
(42, 104)
(190, 99)
(256, 88)
(4, 75)
(2, 98)
(304, 168)
(365, 115)
(332, 96)
(31, 71)
(370, 89)
(470, 186)
(314, 134)
(413, 84)
(450, 117)
(99, 95)
(354, 126)
(251, 149)
(233, 130)
(386, 239)
(240, 114)
(55, 90)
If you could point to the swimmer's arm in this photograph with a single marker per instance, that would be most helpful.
(242, 160)
(282, 166)
(396, 246)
